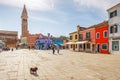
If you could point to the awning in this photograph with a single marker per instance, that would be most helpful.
(20, 43)
(81, 42)
(70, 43)
(63, 44)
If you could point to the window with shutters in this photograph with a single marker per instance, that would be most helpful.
(114, 29)
(87, 35)
(80, 37)
(115, 45)
(105, 34)
(113, 14)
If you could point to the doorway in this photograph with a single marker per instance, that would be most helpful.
(73, 47)
(98, 48)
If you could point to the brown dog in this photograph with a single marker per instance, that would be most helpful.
(33, 70)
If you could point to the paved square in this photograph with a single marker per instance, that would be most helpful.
(67, 65)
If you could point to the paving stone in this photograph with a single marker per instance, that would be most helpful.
(67, 66)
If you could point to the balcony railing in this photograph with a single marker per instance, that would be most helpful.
(88, 39)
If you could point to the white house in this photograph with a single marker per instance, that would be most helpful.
(114, 29)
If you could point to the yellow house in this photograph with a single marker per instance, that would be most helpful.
(74, 37)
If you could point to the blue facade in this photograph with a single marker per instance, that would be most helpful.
(43, 43)
(57, 41)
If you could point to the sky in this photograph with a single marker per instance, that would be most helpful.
(57, 17)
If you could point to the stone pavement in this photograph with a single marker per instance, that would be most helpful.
(67, 65)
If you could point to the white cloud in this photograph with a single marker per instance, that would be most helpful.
(31, 4)
(44, 19)
(99, 4)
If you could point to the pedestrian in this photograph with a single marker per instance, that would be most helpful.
(12, 49)
(0, 50)
(57, 47)
(53, 49)
(29, 47)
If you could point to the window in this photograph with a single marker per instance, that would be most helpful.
(105, 34)
(114, 13)
(98, 35)
(115, 45)
(111, 29)
(25, 20)
(87, 35)
(80, 37)
(114, 29)
(80, 45)
(88, 46)
(70, 37)
(104, 46)
(75, 36)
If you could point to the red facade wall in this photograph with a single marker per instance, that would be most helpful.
(102, 39)
(31, 40)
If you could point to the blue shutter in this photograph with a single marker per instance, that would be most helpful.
(111, 29)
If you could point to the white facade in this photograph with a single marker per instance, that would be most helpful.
(114, 34)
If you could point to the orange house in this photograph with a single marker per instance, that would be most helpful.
(31, 40)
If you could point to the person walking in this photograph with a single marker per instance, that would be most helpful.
(12, 49)
(53, 49)
(57, 47)
(29, 47)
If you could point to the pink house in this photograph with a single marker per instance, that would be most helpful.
(87, 40)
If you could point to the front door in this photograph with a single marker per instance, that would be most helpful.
(98, 48)
(93, 47)
(84, 47)
(73, 47)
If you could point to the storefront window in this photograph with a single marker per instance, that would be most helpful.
(104, 46)
(115, 45)
(76, 45)
(88, 46)
(80, 45)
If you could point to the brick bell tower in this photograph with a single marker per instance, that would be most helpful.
(24, 18)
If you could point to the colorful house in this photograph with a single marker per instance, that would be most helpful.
(74, 37)
(31, 39)
(56, 40)
(23, 43)
(43, 42)
(102, 41)
(92, 39)
(65, 41)
(86, 40)
(114, 29)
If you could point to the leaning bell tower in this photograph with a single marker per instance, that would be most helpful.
(24, 18)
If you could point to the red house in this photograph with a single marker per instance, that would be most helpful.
(101, 41)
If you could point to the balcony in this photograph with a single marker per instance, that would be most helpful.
(88, 39)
